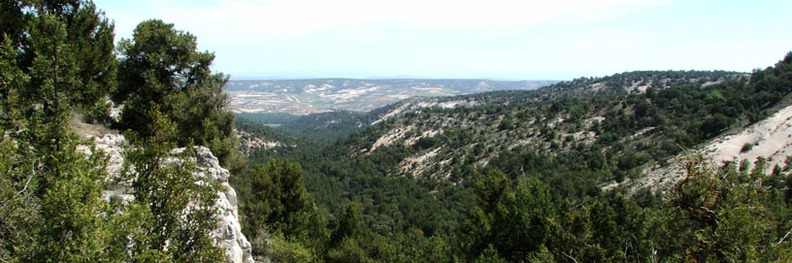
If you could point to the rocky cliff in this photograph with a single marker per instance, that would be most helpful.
(228, 231)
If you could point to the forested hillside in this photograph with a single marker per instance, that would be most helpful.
(334, 125)
(544, 175)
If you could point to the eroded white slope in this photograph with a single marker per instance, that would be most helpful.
(771, 138)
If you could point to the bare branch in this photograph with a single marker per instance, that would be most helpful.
(27, 183)
(570, 257)
(784, 237)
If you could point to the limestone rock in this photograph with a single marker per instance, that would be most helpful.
(228, 231)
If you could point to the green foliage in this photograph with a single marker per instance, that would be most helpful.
(91, 35)
(266, 118)
(328, 127)
(725, 215)
(746, 147)
(561, 213)
(63, 181)
(18, 212)
(513, 221)
(280, 203)
(70, 203)
(57, 61)
(12, 21)
(57, 57)
(610, 229)
(174, 204)
(19, 220)
(81, 39)
(351, 242)
(14, 81)
(285, 251)
(489, 255)
(50, 196)
(162, 67)
(53, 68)
(543, 256)
(348, 250)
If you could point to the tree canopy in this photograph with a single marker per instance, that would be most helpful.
(160, 67)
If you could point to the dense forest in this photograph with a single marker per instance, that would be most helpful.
(510, 176)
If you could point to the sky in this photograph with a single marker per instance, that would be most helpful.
(495, 39)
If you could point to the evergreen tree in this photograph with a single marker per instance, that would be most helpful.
(89, 40)
(73, 229)
(61, 183)
(12, 21)
(19, 219)
(13, 81)
(351, 242)
(91, 36)
(173, 207)
(57, 57)
(18, 210)
(161, 66)
(281, 204)
(515, 221)
(724, 215)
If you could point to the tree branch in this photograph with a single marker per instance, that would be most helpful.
(570, 257)
(784, 237)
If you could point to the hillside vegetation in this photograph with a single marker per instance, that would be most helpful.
(546, 175)
(449, 178)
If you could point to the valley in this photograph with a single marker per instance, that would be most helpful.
(624, 143)
(139, 151)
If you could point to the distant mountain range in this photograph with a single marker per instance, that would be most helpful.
(306, 96)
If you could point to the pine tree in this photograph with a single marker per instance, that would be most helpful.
(353, 243)
(174, 208)
(18, 204)
(281, 205)
(512, 220)
(52, 184)
(162, 67)
(68, 182)
(724, 215)
(91, 36)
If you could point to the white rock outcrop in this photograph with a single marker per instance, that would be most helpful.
(228, 232)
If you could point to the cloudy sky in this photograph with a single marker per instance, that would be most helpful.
(499, 39)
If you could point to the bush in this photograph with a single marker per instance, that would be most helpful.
(746, 147)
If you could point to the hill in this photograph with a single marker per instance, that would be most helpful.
(329, 126)
(422, 163)
(592, 120)
(591, 170)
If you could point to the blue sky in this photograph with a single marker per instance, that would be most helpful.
(498, 39)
